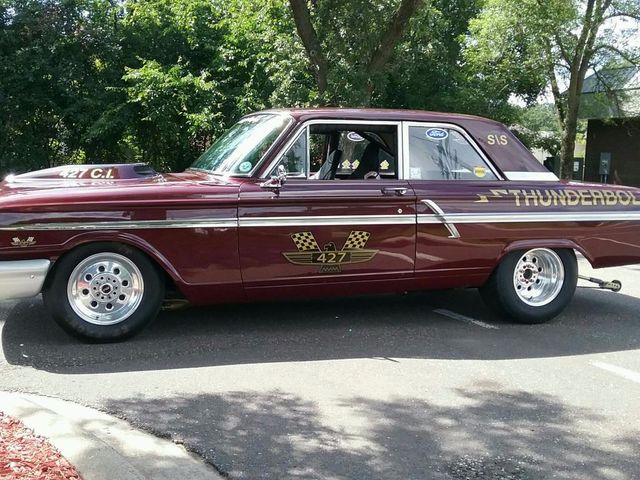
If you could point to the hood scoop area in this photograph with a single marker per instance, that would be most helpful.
(89, 173)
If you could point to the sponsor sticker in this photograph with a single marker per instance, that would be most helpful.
(479, 171)
(244, 167)
(355, 137)
(437, 134)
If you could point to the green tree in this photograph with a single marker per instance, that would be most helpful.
(349, 43)
(526, 46)
(102, 81)
(149, 80)
(51, 75)
(537, 126)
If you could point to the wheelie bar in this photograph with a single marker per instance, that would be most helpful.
(613, 285)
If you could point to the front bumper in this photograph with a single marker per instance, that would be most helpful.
(22, 278)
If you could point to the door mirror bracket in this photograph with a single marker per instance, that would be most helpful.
(276, 182)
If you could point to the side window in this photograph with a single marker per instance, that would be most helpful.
(295, 158)
(317, 152)
(444, 154)
(307, 152)
(342, 152)
(353, 146)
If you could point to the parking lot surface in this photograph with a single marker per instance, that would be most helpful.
(418, 386)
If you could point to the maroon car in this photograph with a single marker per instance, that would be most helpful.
(311, 202)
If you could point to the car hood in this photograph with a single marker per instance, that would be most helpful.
(73, 186)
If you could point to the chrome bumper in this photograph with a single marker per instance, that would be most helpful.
(22, 278)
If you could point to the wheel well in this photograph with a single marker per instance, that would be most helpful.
(170, 284)
(517, 246)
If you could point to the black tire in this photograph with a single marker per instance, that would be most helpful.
(138, 315)
(501, 295)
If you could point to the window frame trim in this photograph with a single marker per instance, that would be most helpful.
(406, 161)
(400, 166)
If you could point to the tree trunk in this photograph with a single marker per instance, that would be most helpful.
(395, 31)
(309, 37)
(568, 144)
(578, 69)
(388, 42)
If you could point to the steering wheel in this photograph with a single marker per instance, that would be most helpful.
(372, 174)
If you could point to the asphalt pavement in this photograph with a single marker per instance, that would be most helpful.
(420, 386)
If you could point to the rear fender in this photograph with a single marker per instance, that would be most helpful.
(544, 243)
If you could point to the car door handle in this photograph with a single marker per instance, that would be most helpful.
(399, 191)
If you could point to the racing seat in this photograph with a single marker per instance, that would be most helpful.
(370, 162)
(330, 167)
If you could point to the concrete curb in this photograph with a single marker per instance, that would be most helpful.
(103, 447)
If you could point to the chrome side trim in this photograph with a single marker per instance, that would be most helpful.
(222, 223)
(329, 220)
(449, 219)
(530, 217)
(22, 278)
(439, 213)
(127, 225)
(532, 176)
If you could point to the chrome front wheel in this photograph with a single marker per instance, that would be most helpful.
(105, 288)
(104, 291)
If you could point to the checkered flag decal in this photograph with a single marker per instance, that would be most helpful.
(305, 241)
(356, 240)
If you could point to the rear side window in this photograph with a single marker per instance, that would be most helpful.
(437, 153)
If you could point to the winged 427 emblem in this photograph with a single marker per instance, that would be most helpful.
(329, 258)
(17, 242)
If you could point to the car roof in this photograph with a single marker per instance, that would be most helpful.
(389, 114)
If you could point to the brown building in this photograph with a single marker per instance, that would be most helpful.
(611, 105)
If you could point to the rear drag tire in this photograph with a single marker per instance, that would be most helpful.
(518, 292)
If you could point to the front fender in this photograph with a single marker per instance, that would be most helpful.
(127, 239)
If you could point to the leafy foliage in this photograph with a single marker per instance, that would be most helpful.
(538, 127)
(527, 46)
(102, 81)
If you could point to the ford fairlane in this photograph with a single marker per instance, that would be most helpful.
(311, 203)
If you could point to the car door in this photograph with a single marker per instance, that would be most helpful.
(449, 173)
(324, 229)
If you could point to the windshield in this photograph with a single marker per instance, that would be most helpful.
(242, 146)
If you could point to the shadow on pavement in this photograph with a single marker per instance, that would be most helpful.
(491, 435)
(364, 327)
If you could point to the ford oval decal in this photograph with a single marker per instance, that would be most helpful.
(437, 133)
(355, 137)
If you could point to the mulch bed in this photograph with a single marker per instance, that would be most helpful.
(27, 456)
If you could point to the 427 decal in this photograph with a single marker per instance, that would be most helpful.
(92, 173)
(329, 258)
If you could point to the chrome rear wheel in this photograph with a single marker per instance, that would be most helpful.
(538, 277)
(532, 286)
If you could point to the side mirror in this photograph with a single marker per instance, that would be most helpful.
(276, 182)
